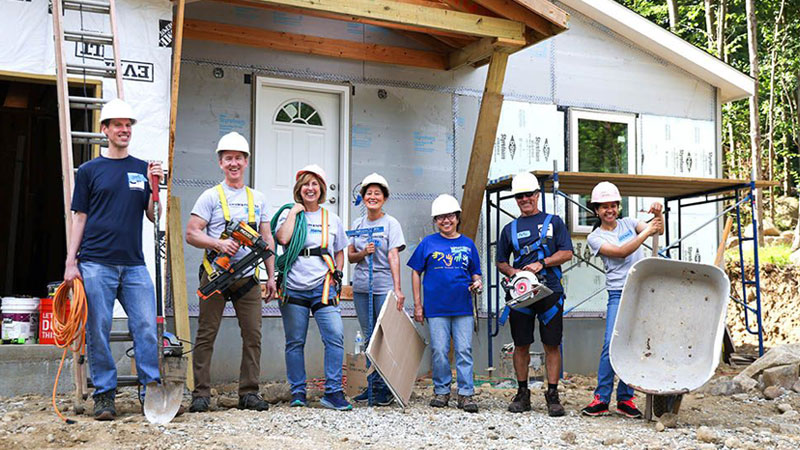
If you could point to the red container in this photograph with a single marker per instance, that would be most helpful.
(46, 334)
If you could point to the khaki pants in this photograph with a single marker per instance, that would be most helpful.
(248, 312)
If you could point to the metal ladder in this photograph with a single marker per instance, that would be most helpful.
(68, 137)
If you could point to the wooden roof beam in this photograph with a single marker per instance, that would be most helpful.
(544, 26)
(426, 17)
(313, 45)
(481, 50)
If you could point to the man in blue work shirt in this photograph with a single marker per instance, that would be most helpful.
(111, 194)
(522, 238)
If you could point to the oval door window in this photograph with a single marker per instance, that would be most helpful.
(298, 111)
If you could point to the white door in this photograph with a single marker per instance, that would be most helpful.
(297, 123)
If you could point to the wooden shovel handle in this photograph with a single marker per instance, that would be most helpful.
(655, 245)
(720, 259)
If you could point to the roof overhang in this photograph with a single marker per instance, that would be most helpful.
(733, 84)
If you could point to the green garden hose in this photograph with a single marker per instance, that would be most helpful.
(284, 261)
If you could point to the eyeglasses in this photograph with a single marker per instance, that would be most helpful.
(525, 195)
(440, 218)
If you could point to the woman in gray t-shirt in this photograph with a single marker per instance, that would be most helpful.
(385, 247)
(618, 241)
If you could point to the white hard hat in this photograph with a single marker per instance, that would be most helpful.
(233, 141)
(605, 192)
(374, 178)
(312, 168)
(524, 182)
(444, 204)
(117, 109)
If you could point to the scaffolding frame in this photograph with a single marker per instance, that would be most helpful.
(741, 192)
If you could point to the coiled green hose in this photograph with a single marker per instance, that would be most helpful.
(284, 261)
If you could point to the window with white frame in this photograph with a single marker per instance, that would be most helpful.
(600, 142)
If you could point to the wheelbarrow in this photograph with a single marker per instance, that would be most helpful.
(668, 333)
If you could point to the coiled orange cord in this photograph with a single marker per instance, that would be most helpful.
(69, 327)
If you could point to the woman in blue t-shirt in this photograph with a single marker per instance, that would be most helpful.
(618, 241)
(452, 269)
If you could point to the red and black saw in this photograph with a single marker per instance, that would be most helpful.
(524, 289)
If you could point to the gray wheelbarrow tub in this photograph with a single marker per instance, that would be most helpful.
(668, 333)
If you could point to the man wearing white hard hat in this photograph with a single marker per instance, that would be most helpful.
(111, 194)
(230, 201)
(618, 241)
(540, 243)
(386, 268)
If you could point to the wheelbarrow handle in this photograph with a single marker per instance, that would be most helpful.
(655, 245)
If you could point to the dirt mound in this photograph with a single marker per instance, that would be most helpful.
(780, 304)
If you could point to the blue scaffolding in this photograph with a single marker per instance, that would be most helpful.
(675, 191)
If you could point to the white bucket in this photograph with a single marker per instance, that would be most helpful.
(20, 320)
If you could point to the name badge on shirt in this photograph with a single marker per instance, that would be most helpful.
(627, 235)
(524, 234)
(136, 181)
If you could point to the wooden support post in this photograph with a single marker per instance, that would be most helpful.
(177, 269)
(177, 48)
(481, 157)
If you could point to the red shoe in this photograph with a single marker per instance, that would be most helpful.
(596, 408)
(628, 409)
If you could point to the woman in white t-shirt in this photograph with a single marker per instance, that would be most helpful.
(312, 286)
(618, 241)
(385, 247)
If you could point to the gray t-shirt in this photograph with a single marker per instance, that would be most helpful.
(209, 208)
(391, 237)
(309, 271)
(616, 268)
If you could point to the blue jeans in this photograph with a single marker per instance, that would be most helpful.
(135, 291)
(295, 328)
(361, 302)
(460, 328)
(605, 373)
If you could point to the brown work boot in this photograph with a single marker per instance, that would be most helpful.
(440, 400)
(554, 408)
(467, 403)
(521, 401)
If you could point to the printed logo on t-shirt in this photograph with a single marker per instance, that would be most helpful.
(315, 228)
(524, 234)
(136, 181)
(549, 230)
(458, 255)
(625, 236)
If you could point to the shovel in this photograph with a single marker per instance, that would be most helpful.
(162, 400)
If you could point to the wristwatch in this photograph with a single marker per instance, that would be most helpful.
(541, 261)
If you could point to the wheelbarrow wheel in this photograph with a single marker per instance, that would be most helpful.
(666, 404)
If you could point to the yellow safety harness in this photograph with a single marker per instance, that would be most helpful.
(329, 261)
(208, 255)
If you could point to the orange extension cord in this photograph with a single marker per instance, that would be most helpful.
(69, 327)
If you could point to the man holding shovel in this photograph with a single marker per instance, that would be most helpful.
(111, 193)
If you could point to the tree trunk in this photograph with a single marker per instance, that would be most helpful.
(796, 240)
(672, 6)
(732, 149)
(771, 111)
(709, 24)
(721, 16)
(755, 128)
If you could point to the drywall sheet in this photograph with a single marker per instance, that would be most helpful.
(396, 349)
(686, 148)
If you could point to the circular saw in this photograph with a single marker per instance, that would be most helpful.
(524, 289)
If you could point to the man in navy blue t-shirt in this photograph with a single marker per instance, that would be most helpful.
(535, 255)
(111, 194)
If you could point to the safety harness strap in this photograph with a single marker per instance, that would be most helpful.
(305, 304)
(544, 317)
(329, 261)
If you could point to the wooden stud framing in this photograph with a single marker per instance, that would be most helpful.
(481, 50)
(177, 49)
(339, 48)
(544, 28)
(481, 157)
(178, 278)
(415, 15)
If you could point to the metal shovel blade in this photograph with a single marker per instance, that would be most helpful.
(162, 401)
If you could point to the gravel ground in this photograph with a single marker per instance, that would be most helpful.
(705, 421)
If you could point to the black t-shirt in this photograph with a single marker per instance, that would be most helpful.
(528, 229)
(114, 195)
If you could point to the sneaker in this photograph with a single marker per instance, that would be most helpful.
(199, 404)
(299, 399)
(596, 408)
(628, 409)
(104, 406)
(362, 397)
(554, 408)
(252, 401)
(382, 397)
(440, 400)
(521, 402)
(467, 403)
(336, 401)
